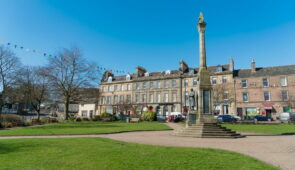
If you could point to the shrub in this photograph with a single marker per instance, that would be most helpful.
(96, 118)
(107, 117)
(78, 119)
(49, 120)
(8, 124)
(85, 119)
(149, 116)
(12, 120)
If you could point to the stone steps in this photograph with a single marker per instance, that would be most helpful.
(207, 130)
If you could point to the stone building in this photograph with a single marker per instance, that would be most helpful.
(164, 92)
(245, 92)
(267, 91)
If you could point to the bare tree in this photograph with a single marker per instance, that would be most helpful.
(33, 85)
(9, 64)
(68, 72)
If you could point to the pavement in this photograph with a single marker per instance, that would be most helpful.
(277, 150)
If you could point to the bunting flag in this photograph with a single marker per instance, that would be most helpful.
(16, 46)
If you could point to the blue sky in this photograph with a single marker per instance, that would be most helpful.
(152, 33)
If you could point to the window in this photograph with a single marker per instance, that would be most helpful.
(186, 99)
(115, 87)
(195, 82)
(265, 82)
(136, 98)
(213, 80)
(245, 97)
(185, 83)
(159, 98)
(173, 83)
(174, 97)
(191, 72)
(151, 98)
(143, 98)
(144, 85)
(120, 87)
(158, 84)
(115, 99)
(266, 95)
(165, 84)
(151, 85)
(128, 99)
(103, 100)
(283, 81)
(244, 83)
(123, 87)
(109, 100)
(285, 96)
(225, 95)
(121, 99)
(111, 88)
(128, 87)
(136, 85)
(224, 79)
(146, 74)
(219, 68)
(166, 97)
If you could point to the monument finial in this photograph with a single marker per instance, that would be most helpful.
(201, 18)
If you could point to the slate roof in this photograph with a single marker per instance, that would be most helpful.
(211, 69)
(265, 71)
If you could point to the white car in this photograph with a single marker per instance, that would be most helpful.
(287, 117)
(238, 118)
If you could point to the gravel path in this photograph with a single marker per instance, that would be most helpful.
(273, 149)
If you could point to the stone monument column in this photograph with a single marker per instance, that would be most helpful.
(204, 86)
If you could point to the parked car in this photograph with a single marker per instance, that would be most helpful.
(262, 118)
(226, 118)
(287, 117)
(238, 118)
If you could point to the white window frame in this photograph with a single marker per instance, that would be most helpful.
(242, 83)
(266, 92)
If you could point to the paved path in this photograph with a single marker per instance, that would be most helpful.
(276, 150)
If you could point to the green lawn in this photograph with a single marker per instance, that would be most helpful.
(100, 153)
(68, 128)
(269, 129)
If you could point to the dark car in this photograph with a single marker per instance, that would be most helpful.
(226, 118)
(262, 118)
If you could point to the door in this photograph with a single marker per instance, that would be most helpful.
(268, 113)
(225, 109)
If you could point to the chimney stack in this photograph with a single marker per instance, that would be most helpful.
(231, 64)
(253, 66)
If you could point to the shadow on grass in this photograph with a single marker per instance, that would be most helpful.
(282, 134)
(14, 147)
(75, 126)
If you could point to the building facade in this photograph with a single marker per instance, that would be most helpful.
(244, 92)
(265, 91)
(164, 92)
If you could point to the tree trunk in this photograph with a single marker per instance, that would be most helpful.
(67, 103)
(38, 115)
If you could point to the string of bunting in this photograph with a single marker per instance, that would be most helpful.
(16, 46)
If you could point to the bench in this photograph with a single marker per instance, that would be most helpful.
(134, 120)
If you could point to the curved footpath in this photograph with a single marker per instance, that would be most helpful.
(276, 150)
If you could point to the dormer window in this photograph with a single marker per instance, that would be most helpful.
(219, 68)
(191, 72)
(167, 72)
(128, 77)
(146, 74)
(110, 79)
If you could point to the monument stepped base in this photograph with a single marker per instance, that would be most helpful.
(207, 130)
